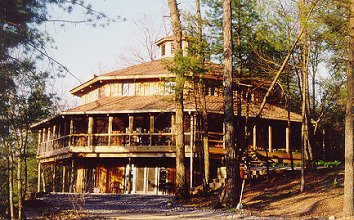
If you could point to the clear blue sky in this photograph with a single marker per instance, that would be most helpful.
(85, 50)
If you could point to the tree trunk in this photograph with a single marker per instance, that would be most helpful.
(232, 168)
(181, 186)
(203, 100)
(305, 51)
(25, 168)
(304, 94)
(11, 184)
(19, 186)
(348, 208)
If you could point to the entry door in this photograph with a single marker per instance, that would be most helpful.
(145, 180)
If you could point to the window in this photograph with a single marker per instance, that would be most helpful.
(139, 89)
(128, 89)
(101, 92)
(169, 88)
(154, 88)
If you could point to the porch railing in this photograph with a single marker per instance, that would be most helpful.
(122, 139)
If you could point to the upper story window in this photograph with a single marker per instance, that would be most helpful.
(128, 89)
(169, 88)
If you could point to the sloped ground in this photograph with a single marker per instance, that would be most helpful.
(280, 197)
(323, 196)
(277, 197)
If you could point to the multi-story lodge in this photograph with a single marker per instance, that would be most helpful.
(122, 137)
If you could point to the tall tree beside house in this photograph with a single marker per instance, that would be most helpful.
(197, 53)
(23, 95)
(232, 166)
(201, 89)
(305, 138)
(179, 69)
(348, 209)
(23, 104)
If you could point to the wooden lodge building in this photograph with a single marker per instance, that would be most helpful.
(122, 137)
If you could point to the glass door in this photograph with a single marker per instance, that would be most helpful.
(145, 180)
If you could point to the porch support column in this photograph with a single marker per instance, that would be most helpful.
(131, 126)
(129, 176)
(72, 176)
(64, 179)
(254, 137)
(131, 123)
(173, 128)
(49, 143)
(89, 131)
(39, 176)
(152, 124)
(191, 150)
(270, 138)
(152, 127)
(110, 121)
(43, 180)
(71, 131)
(287, 139)
(39, 147)
(54, 136)
(54, 176)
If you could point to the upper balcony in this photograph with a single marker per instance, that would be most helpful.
(120, 135)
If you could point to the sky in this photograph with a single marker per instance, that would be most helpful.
(85, 50)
